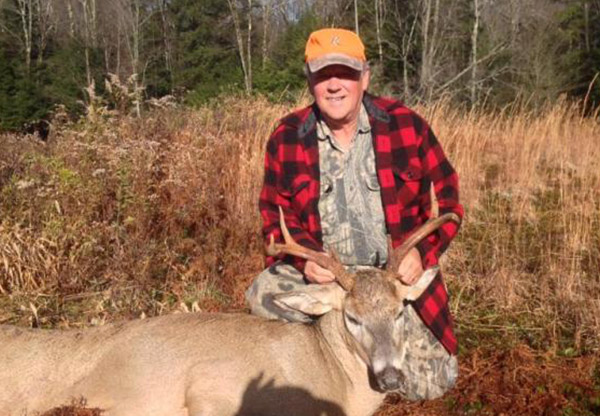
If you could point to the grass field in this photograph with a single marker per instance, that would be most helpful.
(116, 217)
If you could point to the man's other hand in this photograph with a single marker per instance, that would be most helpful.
(411, 267)
(317, 274)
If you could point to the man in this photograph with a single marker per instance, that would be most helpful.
(348, 170)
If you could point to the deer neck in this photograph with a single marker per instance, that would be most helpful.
(361, 397)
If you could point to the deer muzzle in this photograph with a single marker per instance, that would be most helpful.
(390, 378)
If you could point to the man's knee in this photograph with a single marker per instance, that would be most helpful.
(278, 278)
(430, 379)
(429, 369)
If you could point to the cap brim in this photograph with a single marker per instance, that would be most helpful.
(335, 59)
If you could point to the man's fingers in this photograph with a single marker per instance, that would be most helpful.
(321, 270)
(323, 275)
(322, 278)
(317, 274)
(411, 277)
(407, 280)
(327, 276)
(410, 269)
(327, 279)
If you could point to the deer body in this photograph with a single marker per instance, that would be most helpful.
(187, 364)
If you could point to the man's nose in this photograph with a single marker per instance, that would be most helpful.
(333, 84)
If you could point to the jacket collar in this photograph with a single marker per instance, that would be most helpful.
(310, 123)
(374, 110)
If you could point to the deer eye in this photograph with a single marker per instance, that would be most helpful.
(352, 320)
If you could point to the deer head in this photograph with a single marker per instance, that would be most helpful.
(372, 302)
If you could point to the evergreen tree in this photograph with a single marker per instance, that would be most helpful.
(21, 101)
(206, 60)
(285, 69)
(580, 54)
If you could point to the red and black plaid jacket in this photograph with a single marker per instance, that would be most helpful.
(408, 158)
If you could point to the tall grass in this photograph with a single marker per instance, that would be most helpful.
(527, 262)
(124, 216)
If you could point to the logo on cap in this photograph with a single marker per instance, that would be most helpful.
(333, 47)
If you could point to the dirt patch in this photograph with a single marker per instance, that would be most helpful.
(77, 408)
(517, 382)
(73, 411)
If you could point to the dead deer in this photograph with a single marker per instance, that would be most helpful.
(226, 364)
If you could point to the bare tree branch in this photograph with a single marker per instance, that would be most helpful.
(494, 52)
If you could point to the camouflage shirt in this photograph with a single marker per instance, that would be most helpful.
(350, 204)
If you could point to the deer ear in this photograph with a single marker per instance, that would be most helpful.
(415, 291)
(315, 300)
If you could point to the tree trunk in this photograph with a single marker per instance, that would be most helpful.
(406, 43)
(71, 20)
(118, 63)
(249, 49)
(106, 48)
(430, 33)
(586, 20)
(86, 36)
(356, 17)
(515, 21)
(266, 9)
(168, 54)
(240, 44)
(425, 69)
(93, 23)
(25, 10)
(406, 49)
(474, 36)
(45, 26)
(135, 63)
(378, 31)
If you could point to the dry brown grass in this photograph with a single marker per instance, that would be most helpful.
(528, 259)
(123, 216)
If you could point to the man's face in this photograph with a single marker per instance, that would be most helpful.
(338, 91)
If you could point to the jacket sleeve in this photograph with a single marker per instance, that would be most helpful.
(275, 194)
(444, 180)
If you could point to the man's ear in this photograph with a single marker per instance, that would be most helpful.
(309, 83)
(366, 78)
(310, 86)
(415, 291)
(315, 300)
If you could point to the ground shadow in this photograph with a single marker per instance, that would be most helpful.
(262, 398)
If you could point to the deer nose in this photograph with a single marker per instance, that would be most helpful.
(390, 378)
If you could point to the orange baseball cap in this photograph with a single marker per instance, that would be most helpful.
(334, 47)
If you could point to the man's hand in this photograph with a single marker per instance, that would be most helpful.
(411, 268)
(317, 274)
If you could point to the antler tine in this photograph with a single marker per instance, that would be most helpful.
(344, 278)
(397, 254)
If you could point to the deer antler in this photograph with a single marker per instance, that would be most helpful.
(432, 224)
(332, 263)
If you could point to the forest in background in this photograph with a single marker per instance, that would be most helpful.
(135, 53)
